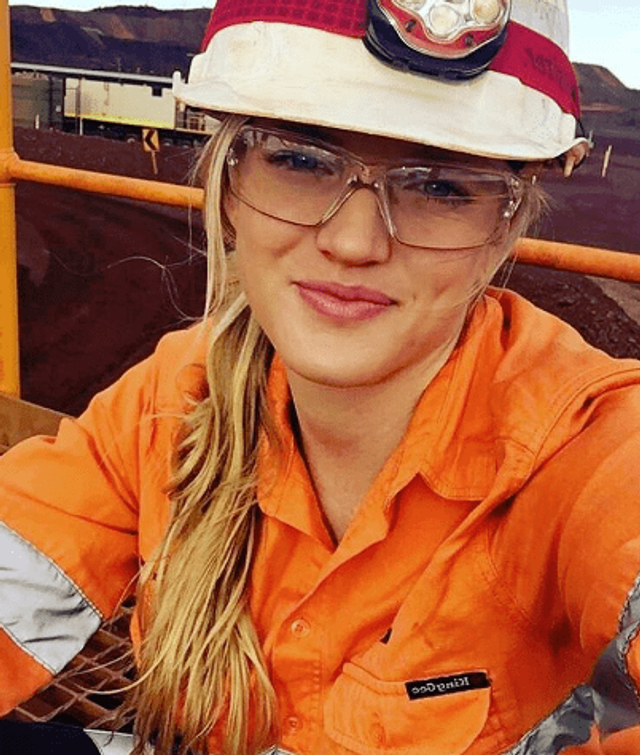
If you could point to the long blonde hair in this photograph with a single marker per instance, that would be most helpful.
(200, 660)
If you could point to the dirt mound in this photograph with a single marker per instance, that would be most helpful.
(101, 279)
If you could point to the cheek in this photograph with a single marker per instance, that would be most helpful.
(259, 237)
(263, 251)
(451, 280)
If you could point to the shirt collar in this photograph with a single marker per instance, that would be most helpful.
(455, 458)
(508, 397)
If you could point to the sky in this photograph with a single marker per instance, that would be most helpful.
(606, 32)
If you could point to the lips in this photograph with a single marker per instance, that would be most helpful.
(343, 304)
(347, 293)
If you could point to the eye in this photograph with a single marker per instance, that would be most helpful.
(431, 184)
(441, 189)
(298, 160)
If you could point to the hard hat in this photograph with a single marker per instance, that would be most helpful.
(485, 77)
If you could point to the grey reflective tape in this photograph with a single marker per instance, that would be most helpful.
(615, 696)
(631, 611)
(569, 724)
(44, 612)
(112, 743)
(610, 700)
(617, 705)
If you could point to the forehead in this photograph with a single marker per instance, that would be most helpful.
(372, 148)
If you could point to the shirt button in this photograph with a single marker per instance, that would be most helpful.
(300, 628)
(293, 723)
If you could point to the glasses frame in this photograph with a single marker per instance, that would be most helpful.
(358, 176)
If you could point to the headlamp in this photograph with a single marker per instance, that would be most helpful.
(456, 39)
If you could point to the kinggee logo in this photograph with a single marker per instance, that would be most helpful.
(446, 685)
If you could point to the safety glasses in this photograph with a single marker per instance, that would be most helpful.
(432, 205)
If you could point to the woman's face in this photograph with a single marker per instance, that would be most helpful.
(343, 303)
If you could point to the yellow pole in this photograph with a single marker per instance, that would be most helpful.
(9, 353)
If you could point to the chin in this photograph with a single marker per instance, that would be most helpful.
(341, 371)
(342, 381)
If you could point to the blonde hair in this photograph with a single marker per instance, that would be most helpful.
(200, 662)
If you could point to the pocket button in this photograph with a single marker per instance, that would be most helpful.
(300, 628)
(293, 723)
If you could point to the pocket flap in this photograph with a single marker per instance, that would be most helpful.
(439, 716)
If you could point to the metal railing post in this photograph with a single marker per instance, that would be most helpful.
(9, 350)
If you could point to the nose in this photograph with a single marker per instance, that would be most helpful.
(356, 234)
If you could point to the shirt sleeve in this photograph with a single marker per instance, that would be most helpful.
(573, 550)
(602, 587)
(69, 521)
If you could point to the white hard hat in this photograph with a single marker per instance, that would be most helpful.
(485, 77)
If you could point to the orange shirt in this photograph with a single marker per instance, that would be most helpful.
(480, 579)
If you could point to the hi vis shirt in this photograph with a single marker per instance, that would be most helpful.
(484, 599)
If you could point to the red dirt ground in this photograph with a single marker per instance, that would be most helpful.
(101, 279)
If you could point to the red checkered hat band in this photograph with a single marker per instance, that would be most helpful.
(345, 17)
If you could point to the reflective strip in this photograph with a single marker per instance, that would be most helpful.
(569, 724)
(44, 612)
(617, 705)
(610, 700)
(112, 743)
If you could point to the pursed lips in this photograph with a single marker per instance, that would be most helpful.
(344, 305)
(347, 293)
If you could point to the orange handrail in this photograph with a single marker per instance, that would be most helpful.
(605, 263)
(582, 259)
(102, 183)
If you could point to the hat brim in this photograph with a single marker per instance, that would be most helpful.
(250, 69)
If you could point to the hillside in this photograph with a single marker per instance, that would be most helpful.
(128, 39)
(608, 106)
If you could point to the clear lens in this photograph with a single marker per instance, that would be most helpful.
(285, 178)
(446, 205)
(437, 206)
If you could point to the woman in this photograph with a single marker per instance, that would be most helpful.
(376, 508)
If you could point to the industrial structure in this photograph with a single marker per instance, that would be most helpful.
(117, 105)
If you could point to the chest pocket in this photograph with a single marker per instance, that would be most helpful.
(370, 716)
